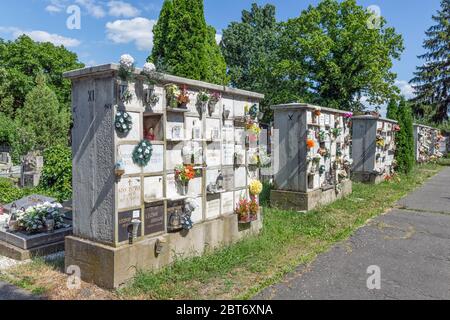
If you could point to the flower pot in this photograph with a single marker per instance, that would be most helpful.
(244, 219)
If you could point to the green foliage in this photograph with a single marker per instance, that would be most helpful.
(392, 110)
(22, 60)
(431, 81)
(8, 191)
(405, 155)
(57, 172)
(41, 121)
(264, 197)
(184, 45)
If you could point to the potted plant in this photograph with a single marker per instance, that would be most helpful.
(184, 174)
(243, 211)
(183, 98)
(172, 93)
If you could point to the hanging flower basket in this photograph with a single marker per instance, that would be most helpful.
(123, 122)
(142, 153)
(214, 99)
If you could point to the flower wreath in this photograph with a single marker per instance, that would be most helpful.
(142, 153)
(123, 122)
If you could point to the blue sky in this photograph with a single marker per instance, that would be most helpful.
(110, 28)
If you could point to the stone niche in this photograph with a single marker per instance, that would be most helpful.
(426, 143)
(112, 190)
(313, 155)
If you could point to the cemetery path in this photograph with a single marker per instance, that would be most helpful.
(410, 245)
(10, 292)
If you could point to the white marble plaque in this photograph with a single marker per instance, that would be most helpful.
(171, 187)
(228, 133)
(213, 207)
(332, 121)
(228, 104)
(213, 154)
(175, 126)
(191, 124)
(228, 154)
(174, 156)
(327, 119)
(135, 133)
(135, 89)
(211, 176)
(197, 214)
(156, 163)
(239, 136)
(239, 108)
(309, 117)
(322, 119)
(195, 187)
(129, 193)
(125, 153)
(240, 177)
(153, 188)
(212, 129)
(227, 201)
(192, 106)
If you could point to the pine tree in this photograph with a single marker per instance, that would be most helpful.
(184, 45)
(432, 80)
(41, 121)
(405, 138)
(392, 110)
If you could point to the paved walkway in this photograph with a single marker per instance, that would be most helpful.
(410, 245)
(10, 292)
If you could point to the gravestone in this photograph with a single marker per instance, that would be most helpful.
(32, 165)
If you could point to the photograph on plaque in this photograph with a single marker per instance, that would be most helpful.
(213, 154)
(193, 128)
(135, 132)
(154, 218)
(129, 193)
(212, 206)
(240, 177)
(156, 163)
(125, 154)
(174, 120)
(124, 221)
(153, 188)
(212, 129)
(227, 202)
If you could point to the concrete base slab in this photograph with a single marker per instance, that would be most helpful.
(110, 267)
(26, 241)
(365, 177)
(306, 201)
(16, 253)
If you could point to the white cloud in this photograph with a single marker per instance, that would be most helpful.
(42, 36)
(218, 38)
(137, 30)
(53, 8)
(92, 7)
(122, 9)
(405, 88)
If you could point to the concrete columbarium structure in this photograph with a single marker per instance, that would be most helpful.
(427, 143)
(312, 156)
(373, 148)
(158, 169)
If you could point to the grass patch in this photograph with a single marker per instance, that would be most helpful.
(287, 240)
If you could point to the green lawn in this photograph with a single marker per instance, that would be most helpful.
(287, 240)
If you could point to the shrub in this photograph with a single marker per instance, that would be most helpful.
(57, 172)
(8, 191)
(405, 139)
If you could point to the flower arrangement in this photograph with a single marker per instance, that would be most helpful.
(380, 142)
(322, 135)
(336, 132)
(123, 122)
(255, 187)
(322, 169)
(253, 209)
(184, 173)
(34, 219)
(253, 111)
(310, 143)
(348, 115)
(172, 93)
(324, 152)
(253, 128)
(317, 111)
(202, 100)
(183, 98)
(126, 96)
(214, 98)
(396, 128)
(142, 153)
(126, 67)
(243, 210)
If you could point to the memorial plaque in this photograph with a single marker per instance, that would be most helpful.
(129, 193)
(171, 187)
(156, 163)
(174, 156)
(239, 136)
(125, 153)
(228, 134)
(213, 154)
(195, 187)
(322, 120)
(192, 105)
(213, 206)
(228, 104)
(227, 154)
(228, 178)
(175, 126)
(240, 177)
(124, 221)
(197, 214)
(135, 132)
(211, 176)
(332, 121)
(193, 128)
(239, 108)
(153, 188)
(309, 117)
(227, 201)
(212, 129)
(154, 218)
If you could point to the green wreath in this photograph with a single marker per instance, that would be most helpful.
(142, 153)
(123, 122)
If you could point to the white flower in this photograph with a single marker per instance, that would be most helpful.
(127, 61)
(140, 150)
(147, 151)
(148, 68)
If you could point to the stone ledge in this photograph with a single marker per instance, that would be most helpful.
(19, 254)
(110, 267)
(366, 177)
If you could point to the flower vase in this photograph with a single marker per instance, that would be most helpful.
(184, 188)
(211, 108)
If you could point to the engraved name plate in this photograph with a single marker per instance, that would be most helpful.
(129, 193)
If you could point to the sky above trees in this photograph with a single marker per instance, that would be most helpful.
(111, 27)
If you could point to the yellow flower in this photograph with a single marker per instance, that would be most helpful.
(255, 187)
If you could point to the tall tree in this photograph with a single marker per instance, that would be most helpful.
(340, 57)
(405, 138)
(184, 45)
(23, 59)
(432, 80)
(41, 119)
(392, 109)
(250, 50)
